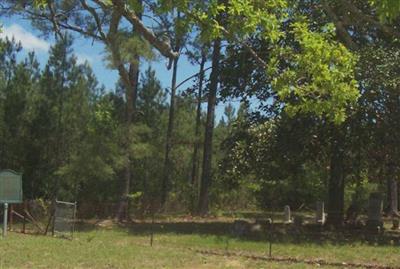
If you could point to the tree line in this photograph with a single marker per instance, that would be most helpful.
(317, 82)
(66, 132)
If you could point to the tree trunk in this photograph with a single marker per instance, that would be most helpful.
(394, 199)
(131, 97)
(171, 120)
(209, 129)
(335, 208)
(195, 160)
(131, 82)
(168, 143)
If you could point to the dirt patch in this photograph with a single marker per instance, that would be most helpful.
(106, 224)
(318, 262)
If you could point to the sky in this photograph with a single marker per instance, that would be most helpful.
(85, 50)
(93, 53)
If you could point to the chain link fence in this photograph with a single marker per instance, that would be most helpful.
(64, 219)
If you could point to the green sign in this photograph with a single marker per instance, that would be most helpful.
(10, 187)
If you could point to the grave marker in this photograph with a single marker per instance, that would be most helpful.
(375, 208)
(287, 213)
(320, 213)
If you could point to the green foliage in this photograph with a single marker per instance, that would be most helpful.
(324, 86)
(388, 10)
(262, 18)
(319, 72)
(276, 160)
(357, 194)
(59, 131)
(130, 46)
(279, 154)
(320, 77)
(40, 3)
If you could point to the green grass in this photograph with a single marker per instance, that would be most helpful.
(123, 248)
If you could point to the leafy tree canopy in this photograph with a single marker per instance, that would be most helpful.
(318, 81)
(387, 9)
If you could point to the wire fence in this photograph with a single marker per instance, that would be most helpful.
(267, 228)
(64, 219)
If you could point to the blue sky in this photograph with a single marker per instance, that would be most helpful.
(93, 53)
(85, 50)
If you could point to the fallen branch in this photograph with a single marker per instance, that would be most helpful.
(17, 214)
(33, 221)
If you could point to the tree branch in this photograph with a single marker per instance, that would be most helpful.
(80, 30)
(254, 54)
(53, 19)
(368, 18)
(93, 12)
(163, 47)
(65, 25)
(191, 77)
(340, 28)
(115, 54)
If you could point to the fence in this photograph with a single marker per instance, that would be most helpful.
(269, 229)
(64, 218)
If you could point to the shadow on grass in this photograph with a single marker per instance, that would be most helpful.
(277, 233)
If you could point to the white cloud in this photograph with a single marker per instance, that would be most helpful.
(82, 58)
(27, 39)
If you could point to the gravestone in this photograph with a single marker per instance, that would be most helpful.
(320, 213)
(288, 217)
(256, 228)
(375, 208)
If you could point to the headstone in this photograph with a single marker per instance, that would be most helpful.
(320, 213)
(256, 227)
(375, 208)
(288, 217)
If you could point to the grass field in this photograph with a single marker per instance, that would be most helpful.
(129, 247)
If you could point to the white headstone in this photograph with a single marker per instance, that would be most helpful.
(320, 213)
(288, 217)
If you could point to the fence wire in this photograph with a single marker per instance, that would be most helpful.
(64, 218)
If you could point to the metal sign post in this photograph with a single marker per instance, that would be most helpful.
(5, 220)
